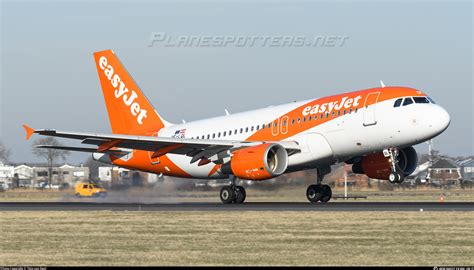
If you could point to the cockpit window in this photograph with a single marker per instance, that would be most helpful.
(431, 100)
(421, 100)
(407, 101)
(398, 102)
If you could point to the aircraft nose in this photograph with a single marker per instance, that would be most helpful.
(440, 119)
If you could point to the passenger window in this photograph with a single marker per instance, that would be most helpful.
(421, 100)
(304, 119)
(309, 118)
(270, 125)
(85, 186)
(407, 101)
(275, 124)
(235, 131)
(263, 126)
(258, 127)
(213, 135)
(246, 129)
(208, 136)
(241, 130)
(315, 117)
(224, 133)
(292, 121)
(398, 102)
(299, 120)
(251, 129)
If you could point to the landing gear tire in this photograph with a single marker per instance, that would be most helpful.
(313, 193)
(395, 178)
(227, 194)
(240, 194)
(326, 193)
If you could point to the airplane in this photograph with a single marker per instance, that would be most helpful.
(373, 129)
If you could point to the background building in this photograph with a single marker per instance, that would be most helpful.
(25, 175)
(467, 171)
(444, 172)
(6, 174)
(65, 174)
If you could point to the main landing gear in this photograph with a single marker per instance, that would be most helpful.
(232, 193)
(396, 175)
(318, 192)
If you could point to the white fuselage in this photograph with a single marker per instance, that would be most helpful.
(342, 136)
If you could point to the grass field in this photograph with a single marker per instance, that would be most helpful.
(238, 238)
(290, 194)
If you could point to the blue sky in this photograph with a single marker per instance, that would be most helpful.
(48, 77)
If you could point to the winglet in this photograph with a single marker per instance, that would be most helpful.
(29, 131)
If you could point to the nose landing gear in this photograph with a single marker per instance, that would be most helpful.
(318, 192)
(232, 193)
(396, 175)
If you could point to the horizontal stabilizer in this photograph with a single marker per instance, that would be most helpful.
(83, 149)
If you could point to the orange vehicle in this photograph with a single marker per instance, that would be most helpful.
(89, 189)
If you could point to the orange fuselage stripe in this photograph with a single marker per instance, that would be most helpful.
(386, 93)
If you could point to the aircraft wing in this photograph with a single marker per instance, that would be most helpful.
(109, 143)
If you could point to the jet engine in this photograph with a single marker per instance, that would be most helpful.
(259, 162)
(377, 166)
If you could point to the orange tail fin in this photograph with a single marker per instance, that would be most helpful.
(129, 110)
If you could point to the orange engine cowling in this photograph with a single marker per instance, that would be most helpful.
(377, 166)
(259, 162)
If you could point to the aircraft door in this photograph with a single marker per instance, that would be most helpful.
(369, 109)
(275, 127)
(284, 125)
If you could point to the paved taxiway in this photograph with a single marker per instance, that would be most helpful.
(263, 206)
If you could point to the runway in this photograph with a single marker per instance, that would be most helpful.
(263, 206)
